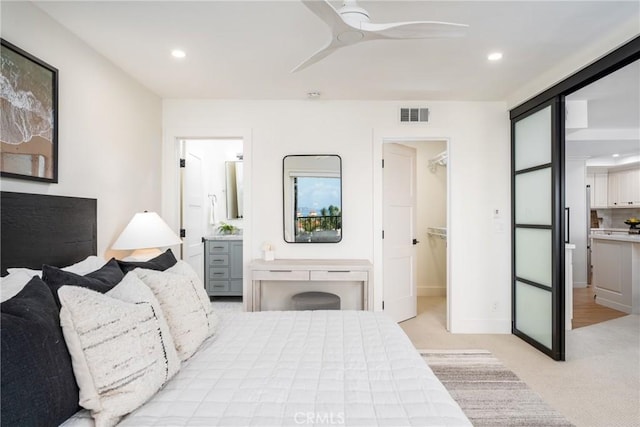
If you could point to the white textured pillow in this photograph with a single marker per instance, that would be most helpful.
(120, 346)
(185, 304)
(12, 284)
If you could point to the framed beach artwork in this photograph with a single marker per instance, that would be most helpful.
(29, 120)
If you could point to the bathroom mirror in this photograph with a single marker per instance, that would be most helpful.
(233, 171)
(312, 188)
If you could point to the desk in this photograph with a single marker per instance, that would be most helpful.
(309, 270)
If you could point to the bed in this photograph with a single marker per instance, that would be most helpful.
(290, 368)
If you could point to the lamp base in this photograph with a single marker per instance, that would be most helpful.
(143, 254)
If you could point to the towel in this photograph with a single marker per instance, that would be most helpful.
(212, 210)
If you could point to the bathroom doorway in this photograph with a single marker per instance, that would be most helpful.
(211, 209)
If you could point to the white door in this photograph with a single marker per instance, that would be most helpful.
(193, 209)
(399, 223)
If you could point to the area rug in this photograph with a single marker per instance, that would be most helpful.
(488, 392)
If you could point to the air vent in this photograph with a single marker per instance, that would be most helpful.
(414, 115)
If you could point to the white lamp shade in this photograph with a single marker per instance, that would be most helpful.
(146, 230)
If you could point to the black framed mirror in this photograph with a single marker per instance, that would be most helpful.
(312, 202)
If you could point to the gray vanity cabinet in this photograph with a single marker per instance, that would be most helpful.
(223, 267)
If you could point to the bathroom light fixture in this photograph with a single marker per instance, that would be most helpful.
(615, 155)
(178, 53)
(145, 233)
(494, 56)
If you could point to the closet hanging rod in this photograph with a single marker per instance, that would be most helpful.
(439, 160)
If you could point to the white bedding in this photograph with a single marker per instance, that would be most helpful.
(292, 368)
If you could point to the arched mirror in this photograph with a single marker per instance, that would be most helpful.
(312, 188)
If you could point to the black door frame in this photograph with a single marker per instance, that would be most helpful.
(555, 95)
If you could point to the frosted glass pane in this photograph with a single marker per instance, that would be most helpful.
(533, 197)
(533, 255)
(533, 312)
(533, 140)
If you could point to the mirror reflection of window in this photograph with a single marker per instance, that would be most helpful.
(312, 187)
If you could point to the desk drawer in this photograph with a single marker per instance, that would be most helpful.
(341, 275)
(218, 247)
(218, 273)
(281, 275)
(218, 259)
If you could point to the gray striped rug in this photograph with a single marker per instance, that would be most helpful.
(488, 392)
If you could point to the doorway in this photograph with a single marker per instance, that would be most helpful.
(430, 248)
(211, 200)
(602, 145)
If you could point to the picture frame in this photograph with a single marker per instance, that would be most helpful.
(28, 135)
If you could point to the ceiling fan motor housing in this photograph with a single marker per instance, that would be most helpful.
(352, 14)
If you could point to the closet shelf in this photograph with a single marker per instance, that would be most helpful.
(440, 232)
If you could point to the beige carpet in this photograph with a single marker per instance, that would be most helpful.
(598, 385)
(489, 393)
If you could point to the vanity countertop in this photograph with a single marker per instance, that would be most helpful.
(223, 237)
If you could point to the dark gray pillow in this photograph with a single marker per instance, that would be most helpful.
(101, 280)
(38, 385)
(160, 263)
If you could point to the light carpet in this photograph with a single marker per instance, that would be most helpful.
(488, 392)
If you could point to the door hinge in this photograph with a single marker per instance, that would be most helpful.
(383, 234)
(382, 163)
(183, 232)
(183, 163)
(383, 305)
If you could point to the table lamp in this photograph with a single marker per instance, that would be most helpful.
(145, 234)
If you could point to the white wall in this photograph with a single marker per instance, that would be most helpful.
(479, 157)
(109, 125)
(576, 200)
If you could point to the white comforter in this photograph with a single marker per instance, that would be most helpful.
(293, 368)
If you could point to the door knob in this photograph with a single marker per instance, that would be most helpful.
(416, 241)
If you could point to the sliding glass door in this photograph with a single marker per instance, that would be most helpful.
(537, 246)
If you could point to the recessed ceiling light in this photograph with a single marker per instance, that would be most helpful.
(615, 155)
(177, 53)
(494, 56)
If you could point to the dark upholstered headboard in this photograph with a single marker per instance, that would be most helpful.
(40, 229)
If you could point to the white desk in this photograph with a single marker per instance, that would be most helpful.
(309, 270)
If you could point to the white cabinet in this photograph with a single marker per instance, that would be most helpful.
(624, 188)
(600, 191)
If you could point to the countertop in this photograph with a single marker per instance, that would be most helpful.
(621, 237)
(223, 237)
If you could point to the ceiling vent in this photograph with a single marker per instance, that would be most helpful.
(414, 115)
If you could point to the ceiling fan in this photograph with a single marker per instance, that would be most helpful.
(350, 25)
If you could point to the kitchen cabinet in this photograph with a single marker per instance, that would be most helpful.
(598, 182)
(624, 188)
(223, 267)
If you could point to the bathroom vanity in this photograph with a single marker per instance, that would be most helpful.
(223, 265)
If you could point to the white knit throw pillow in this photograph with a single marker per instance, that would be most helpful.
(185, 304)
(121, 349)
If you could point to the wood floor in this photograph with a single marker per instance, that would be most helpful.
(586, 312)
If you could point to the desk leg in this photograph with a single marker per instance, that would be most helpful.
(257, 285)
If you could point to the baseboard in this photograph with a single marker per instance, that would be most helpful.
(431, 291)
(482, 326)
(580, 284)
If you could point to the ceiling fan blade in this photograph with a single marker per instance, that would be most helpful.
(322, 53)
(323, 10)
(415, 30)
